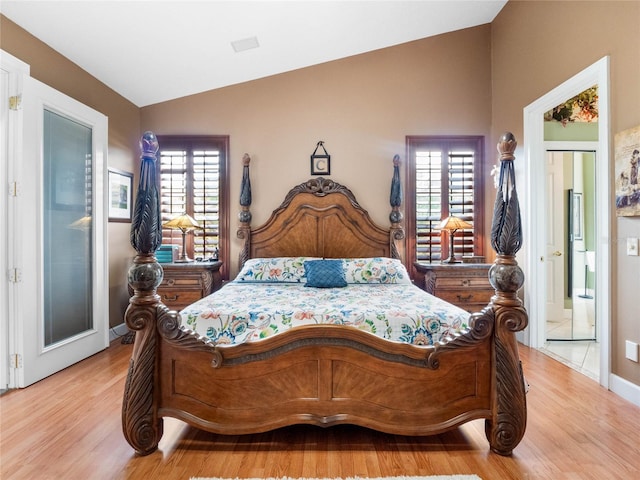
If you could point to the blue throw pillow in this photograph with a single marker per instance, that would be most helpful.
(325, 273)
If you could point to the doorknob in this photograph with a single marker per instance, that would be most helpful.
(557, 253)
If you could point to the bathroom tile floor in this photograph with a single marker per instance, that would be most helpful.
(583, 353)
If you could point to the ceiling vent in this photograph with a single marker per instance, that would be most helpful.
(245, 44)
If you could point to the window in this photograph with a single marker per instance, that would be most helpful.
(193, 180)
(444, 177)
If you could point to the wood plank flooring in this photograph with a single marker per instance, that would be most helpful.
(68, 427)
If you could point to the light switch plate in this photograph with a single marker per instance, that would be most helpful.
(632, 246)
(631, 350)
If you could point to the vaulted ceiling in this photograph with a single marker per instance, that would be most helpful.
(154, 51)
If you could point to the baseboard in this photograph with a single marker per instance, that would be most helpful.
(624, 388)
(117, 332)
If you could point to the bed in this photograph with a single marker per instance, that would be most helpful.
(319, 355)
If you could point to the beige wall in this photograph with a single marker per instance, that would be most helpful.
(536, 46)
(51, 68)
(362, 107)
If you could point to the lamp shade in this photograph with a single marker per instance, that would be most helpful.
(454, 223)
(182, 222)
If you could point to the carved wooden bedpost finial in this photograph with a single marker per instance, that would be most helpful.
(395, 200)
(506, 230)
(506, 427)
(395, 197)
(244, 230)
(146, 232)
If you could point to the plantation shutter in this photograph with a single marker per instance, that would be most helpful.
(447, 174)
(428, 205)
(206, 205)
(461, 197)
(190, 183)
(173, 191)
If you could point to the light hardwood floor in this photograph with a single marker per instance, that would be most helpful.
(68, 427)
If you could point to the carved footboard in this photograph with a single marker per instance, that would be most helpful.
(325, 374)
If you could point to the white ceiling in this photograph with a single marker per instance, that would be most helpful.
(153, 51)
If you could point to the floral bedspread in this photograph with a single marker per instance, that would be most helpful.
(247, 312)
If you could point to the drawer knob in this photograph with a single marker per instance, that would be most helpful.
(170, 299)
(465, 298)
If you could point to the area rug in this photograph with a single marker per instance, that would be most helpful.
(430, 477)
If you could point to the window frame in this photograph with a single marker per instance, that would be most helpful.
(444, 142)
(220, 143)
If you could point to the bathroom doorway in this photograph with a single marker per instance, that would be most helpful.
(571, 312)
(536, 220)
(571, 323)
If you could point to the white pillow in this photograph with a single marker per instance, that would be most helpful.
(375, 270)
(277, 269)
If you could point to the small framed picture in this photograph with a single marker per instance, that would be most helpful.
(577, 216)
(321, 165)
(120, 195)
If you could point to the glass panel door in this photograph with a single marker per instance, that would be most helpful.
(61, 309)
(67, 227)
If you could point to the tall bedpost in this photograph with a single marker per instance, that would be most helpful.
(506, 427)
(395, 217)
(244, 230)
(140, 423)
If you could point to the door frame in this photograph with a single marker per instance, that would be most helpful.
(596, 74)
(16, 69)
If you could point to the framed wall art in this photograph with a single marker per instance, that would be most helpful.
(120, 195)
(627, 163)
(577, 220)
(320, 162)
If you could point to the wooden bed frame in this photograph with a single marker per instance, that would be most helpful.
(324, 374)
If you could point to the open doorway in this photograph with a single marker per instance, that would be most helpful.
(536, 215)
(571, 323)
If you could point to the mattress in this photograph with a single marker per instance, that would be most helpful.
(249, 311)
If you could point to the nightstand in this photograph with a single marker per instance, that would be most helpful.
(463, 284)
(184, 283)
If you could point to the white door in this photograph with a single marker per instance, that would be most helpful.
(61, 311)
(555, 240)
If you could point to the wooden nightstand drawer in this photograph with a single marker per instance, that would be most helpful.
(466, 297)
(176, 298)
(185, 283)
(463, 284)
(193, 281)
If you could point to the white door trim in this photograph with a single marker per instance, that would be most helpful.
(534, 149)
(15, 69)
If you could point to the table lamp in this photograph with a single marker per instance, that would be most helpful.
(452, 225)
(184, 223)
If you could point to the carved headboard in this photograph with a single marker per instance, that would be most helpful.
(322, 218)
